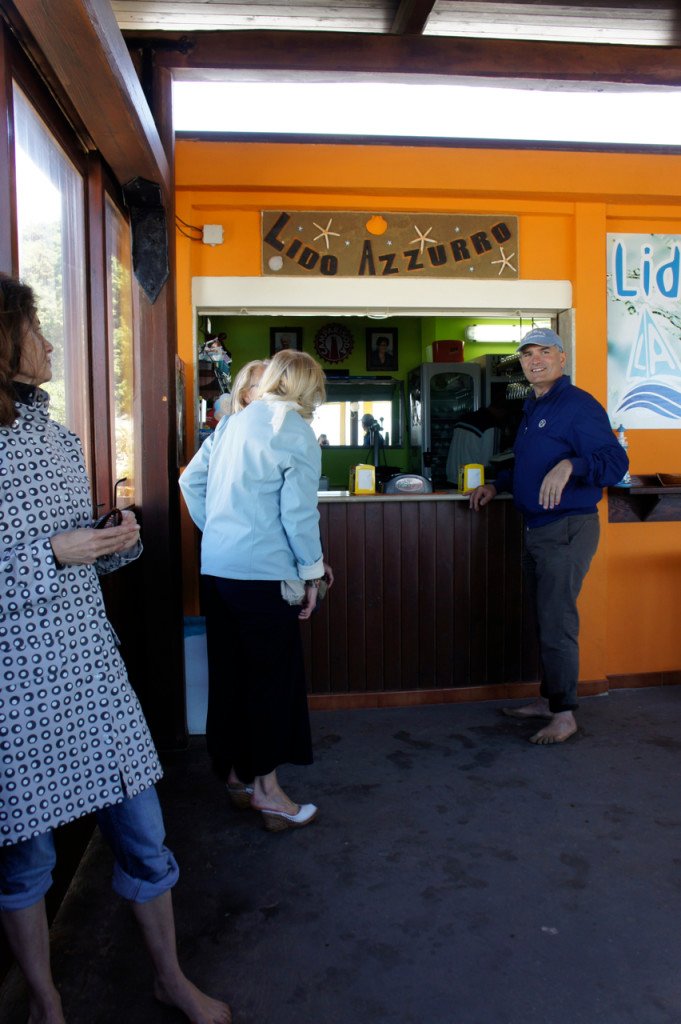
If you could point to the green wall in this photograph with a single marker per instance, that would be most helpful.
(248, 337)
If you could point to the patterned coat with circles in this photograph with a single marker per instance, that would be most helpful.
(72, 734)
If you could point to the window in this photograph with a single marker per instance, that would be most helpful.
(350, 400)
(121, 352)
(318, 104)
(51, 232)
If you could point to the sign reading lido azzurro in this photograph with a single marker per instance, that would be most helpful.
(335, 243)
(644, 331)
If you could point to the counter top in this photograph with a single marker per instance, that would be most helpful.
(327, 496)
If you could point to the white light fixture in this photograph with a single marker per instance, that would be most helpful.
(509, 334)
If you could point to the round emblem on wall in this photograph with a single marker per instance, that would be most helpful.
(333, 343)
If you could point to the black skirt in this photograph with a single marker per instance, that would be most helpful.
(257, 700)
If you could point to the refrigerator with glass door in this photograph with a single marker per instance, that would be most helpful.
(438, 395)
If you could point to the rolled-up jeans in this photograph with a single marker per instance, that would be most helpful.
(144, 867)
(555, 561)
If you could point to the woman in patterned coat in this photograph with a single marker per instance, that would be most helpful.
(73, 738)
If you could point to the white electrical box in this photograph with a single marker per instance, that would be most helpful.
(213, 234)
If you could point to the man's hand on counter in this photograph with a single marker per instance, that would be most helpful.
(482, 495)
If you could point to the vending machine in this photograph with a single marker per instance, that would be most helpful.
(438, 395)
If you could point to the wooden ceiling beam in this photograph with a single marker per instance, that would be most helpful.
(411, 17)
(410, 56)
(85, 50)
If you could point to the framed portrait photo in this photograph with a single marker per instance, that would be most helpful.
(286, 337)
(382, 348)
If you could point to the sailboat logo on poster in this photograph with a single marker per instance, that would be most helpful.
(644, 331)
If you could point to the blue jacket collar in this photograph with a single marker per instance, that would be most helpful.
(560, 385)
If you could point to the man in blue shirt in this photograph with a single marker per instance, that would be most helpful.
(565, 454)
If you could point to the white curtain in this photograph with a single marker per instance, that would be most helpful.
(51, 228)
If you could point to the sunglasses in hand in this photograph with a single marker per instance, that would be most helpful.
(114, 517)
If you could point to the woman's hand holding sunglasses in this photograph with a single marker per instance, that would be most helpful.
(84, 546)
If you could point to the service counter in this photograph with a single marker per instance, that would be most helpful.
(428, 603)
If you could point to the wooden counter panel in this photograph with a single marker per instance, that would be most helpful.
(393, 575)
(424, 655)
(463, 598)
(427, 596)
(335, 546)
(444, 605)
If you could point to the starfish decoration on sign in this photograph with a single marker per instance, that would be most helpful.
(505, 260)
(422, 237)
(325, 232)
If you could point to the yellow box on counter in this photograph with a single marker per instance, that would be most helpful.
(362, 479)
(471, 476)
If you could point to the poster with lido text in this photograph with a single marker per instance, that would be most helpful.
(644, 331)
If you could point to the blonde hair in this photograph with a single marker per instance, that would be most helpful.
(243, 383)
(295, 377)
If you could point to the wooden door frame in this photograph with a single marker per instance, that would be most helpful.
(109, 149)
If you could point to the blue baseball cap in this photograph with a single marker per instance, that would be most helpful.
(542, 336)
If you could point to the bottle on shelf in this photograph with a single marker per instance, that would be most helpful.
(622, 438)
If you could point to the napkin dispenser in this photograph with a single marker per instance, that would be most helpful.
(362, 479)
(471, 476)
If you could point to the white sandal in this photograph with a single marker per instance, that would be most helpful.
(277, 821)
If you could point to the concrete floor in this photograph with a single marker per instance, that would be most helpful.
(456, 875)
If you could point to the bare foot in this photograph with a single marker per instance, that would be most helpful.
(196, 1005)
(46, 1011)
(559, 729)
(275, 802)
(539, 708)
(269, 796)
(234, 780)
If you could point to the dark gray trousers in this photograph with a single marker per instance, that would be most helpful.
(555, 561)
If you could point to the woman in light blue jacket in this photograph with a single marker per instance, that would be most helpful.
(255, 499)
(195, 478)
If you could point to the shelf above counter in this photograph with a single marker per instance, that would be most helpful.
(654, 498)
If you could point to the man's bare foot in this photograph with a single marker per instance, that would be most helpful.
(559, 729)
(46, 1010)
(539, 708)
(196, 1005)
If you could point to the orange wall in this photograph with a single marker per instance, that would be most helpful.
(566, 203)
